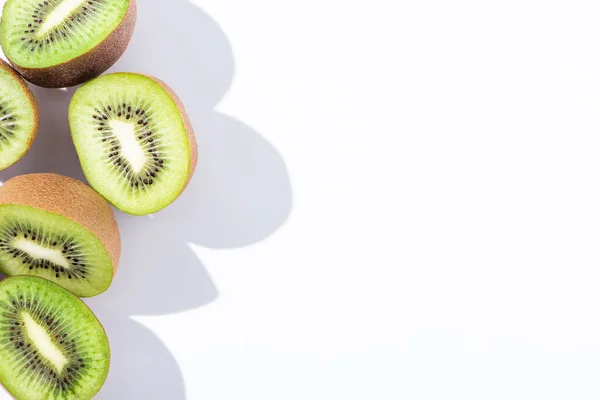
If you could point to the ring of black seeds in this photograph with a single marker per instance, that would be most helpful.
(145, 137)
(13, 230)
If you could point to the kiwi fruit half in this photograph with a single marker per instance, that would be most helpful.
(19, 117)
(61, 43)
(134, 140)
(51, 344)
(60, 229)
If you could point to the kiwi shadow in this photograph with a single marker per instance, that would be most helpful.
(240, 195)
(141, 366)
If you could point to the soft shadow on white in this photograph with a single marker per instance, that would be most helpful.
(240, 194)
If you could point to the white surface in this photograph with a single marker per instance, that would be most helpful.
(443, 239)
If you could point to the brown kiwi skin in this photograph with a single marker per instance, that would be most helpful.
(32, 101)
(70, 198)
(89, 65)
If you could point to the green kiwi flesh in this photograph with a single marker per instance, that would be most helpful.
(133, 141)
(18, 117)
(41, 36)
(51, 344)
(40, 243)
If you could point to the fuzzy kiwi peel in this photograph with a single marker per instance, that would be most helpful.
(63, 43)
(59, 229)
(19, 116)
(52, 346)
(134, 140)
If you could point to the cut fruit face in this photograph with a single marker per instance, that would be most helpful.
(51, 344)
(18, 117)
(40, 243)
(133, 141)
(39, 34)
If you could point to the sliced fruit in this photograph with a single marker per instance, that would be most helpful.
(59, 229)
(19, 117)
(60, 43)
(51, 344)
(134, 140)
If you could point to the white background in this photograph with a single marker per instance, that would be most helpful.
(395, 200)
